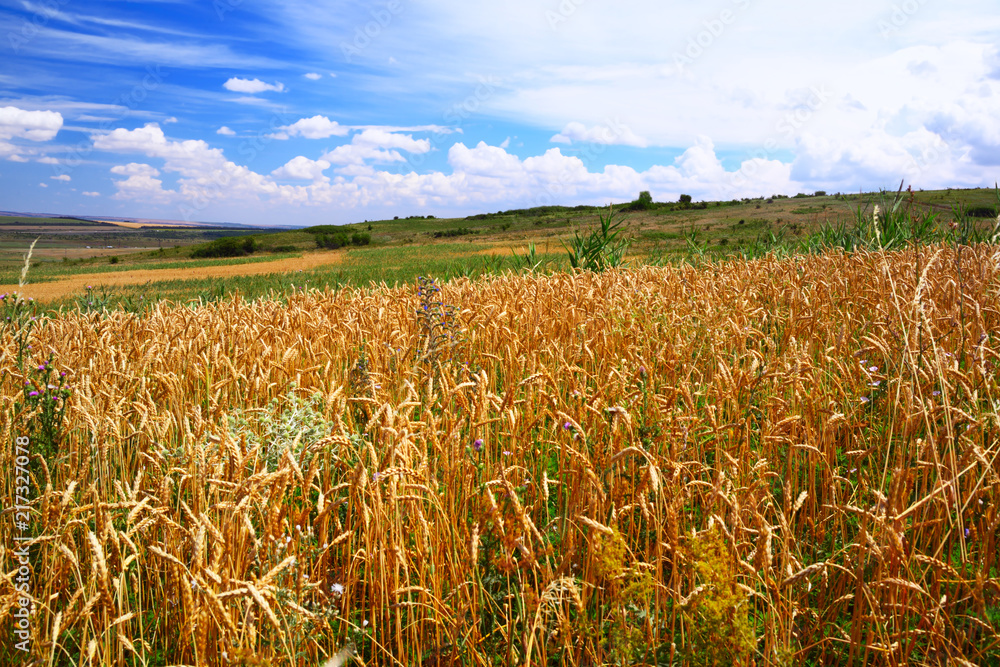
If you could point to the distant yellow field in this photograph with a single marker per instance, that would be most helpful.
(142, 225)
(57, 289)
(130, 225)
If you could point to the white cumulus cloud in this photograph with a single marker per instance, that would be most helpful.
(141, 184)
(384, 139)
(610, 133)
(377, 145)
(204, 173)
(317, 127)
(225, 131)
(31, 125)
(135, 169)
(355, 154)
(313, 76)
(302, 169)
(252, 86)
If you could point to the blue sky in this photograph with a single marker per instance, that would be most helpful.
(288, 112)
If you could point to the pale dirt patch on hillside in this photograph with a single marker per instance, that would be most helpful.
(78, 283)
(501, 250)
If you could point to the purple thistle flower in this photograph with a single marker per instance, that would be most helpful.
(478, 445)
(32, 393)
(567, 426)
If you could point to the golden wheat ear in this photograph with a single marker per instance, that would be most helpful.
(342, 657)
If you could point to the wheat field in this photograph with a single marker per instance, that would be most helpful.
(772, 462)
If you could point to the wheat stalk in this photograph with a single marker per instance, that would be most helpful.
(23, 280)
(748, 417)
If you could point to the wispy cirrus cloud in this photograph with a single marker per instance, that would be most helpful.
(79, 47)
(49, 11)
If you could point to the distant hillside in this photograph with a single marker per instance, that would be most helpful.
(140, 221)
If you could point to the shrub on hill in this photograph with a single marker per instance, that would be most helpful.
(341, 239)
(229, 246)
(323, 229)
(449, 233)
(643, 203)
(537, 211)
(981, 212)
(332, 241)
